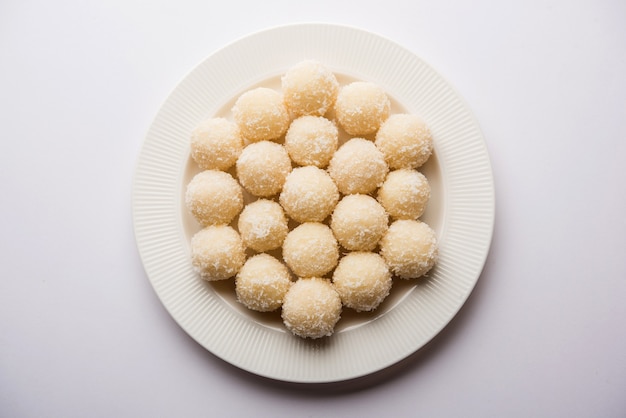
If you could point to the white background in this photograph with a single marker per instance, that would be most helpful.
(82, 333)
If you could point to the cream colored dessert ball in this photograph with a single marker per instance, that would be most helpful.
(404, 194)
(309, 194)
(409, 248)
(214, 197)
(261, 114)
(361, 107)
(263, 225)
(362, 280)
(358, 167)
(311, 250)
(359, 222)
(311, 308)
(215, 144)
(309, 88)
(262, 283)
(217, 252)
(312, 140)
(405, 140)
(262, 168)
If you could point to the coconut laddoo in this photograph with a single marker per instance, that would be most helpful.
(262, 168)
(215, 144)
(404, 194)
(358, 167)
(375, 172)
(309, 88)
(312, 140)
(405, 141)
(359, 222)
(217, 252)
(309, 194)
(409, 248)
(361, 108)
(311, 250)
(214, 197)
(311, 308)
(362, 280)
(262, 283)
(263, 225)
(261, 114)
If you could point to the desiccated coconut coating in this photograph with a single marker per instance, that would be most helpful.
(215, 144)
(358, 167)
(262, 168)
(405, 141)
(311, 308)
(362, 280)
(310, 250)
(404, 194)
(361, 107)
(309, 88)
(217, 252)
(214, 197)
(409, 248)
(262, 283)
(312, 140)
(261, 114)
(359, 222)
(309, 194)
(263, 225)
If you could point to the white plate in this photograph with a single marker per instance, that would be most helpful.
(461, 209)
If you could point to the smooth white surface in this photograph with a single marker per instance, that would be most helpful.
(83, 334)
(461, 210)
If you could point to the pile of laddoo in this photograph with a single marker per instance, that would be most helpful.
(329, 223)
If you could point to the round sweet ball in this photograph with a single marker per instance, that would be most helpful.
(362, 280)
(263, 167)
(358, 167)
(215, 144)
(409, 248)
(261, 114)
(404, 194)
(263, 225)
(217, 252)
(309, 194)
(309, 88)
(405, 141)
(214, 197)
(262, 283)
(311, 308)
(311, 250)
(361, 107)
(312, 140)
(359, 222)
